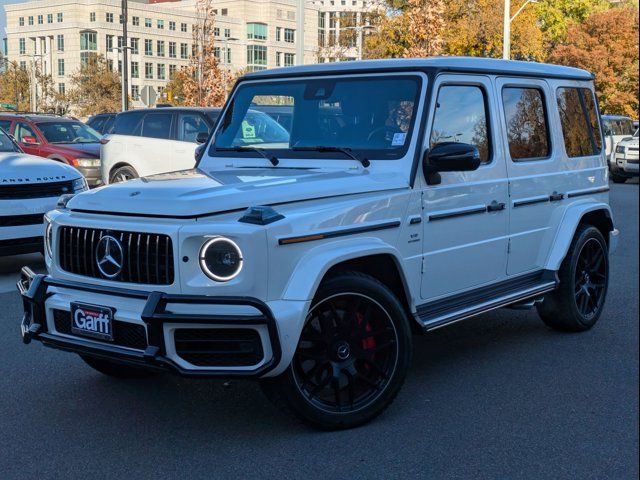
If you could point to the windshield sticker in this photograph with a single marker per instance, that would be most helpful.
(398, 139)
(248, 131)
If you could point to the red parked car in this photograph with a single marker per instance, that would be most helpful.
(58, 138)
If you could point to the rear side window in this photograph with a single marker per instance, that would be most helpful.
(579, 137)
(527, 128)
(108, 125)
(23, 130)
(461, 116)
(157, 125)
(5, 125)
(592, 112)
(128, 123)
(189, 125)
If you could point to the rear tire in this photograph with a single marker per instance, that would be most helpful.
(352, 356)
(577, 304)
(117, 370)
(123, 174)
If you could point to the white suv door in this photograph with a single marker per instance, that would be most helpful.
(465, 220)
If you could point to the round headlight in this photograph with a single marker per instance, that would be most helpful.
(221, 259)
(48, 239)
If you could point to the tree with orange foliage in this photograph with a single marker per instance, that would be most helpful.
(426, 28)
(203, 79)
(606, 43)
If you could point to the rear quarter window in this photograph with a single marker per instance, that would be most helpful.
(577, 130)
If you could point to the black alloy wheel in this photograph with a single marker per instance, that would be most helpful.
(347, 353)
(352, 356)
(590, 278)
(577, 303)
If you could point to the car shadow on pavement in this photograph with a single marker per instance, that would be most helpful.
(206, 409)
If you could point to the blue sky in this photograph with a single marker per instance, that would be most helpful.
(3, 20)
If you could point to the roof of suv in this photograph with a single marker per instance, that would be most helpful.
(452, 64)
(174, 109)
(615, 117)
(37, 117)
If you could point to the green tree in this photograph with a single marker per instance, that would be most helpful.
(555, 16)
(606, 44)
(95, 89)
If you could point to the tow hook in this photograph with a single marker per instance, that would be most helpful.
(28, 331)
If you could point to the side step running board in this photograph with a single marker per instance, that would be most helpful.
(443, 312)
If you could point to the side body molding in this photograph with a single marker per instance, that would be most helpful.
(568, 225)
(317, 261)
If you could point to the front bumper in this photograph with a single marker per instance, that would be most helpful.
(627, 164)
(92, 175)
(37, 289)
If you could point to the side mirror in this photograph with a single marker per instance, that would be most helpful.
(202, 137)
(199, 153)
(452, 157)
(29, 140)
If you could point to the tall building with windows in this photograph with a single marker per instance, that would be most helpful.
(58, 36)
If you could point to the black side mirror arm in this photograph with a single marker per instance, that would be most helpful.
(431, 174)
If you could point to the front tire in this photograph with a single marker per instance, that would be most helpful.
(577, 304)
(617, 178)
(352, 357)
(117, 370)
(123, 174)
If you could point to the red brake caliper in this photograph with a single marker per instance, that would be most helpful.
(369, 342)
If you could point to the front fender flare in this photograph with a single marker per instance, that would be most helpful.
(568, 225)
(312, 267)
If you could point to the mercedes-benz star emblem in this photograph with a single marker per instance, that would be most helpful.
(109, 256)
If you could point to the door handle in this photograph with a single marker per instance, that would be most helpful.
(495, 206)
(556, 197)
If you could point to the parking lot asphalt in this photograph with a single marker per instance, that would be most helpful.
(500, 396)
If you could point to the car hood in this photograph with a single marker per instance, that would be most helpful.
(79, 150)
(193, 193)
(16, 168)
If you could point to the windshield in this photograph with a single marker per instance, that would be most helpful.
(6, 145)
(636, 134)
(68, 132)
(372, 116)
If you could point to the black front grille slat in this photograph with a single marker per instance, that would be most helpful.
(144, 253)
(34, 190)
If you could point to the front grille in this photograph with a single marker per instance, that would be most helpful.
(21, 220)
(219, 347)
(35, 190)
(124, 334)
(633, 149)
(148, 257)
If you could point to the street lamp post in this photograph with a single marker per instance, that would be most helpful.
(508, 19)
(33, 80)
(124, 84)
(125, 60)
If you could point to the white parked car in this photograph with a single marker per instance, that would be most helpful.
(616, 129)
(626, 160)
(29, 187)
(149, 141)
(408, 195)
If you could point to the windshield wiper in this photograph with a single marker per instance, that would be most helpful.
(347, 151)
(247, 148)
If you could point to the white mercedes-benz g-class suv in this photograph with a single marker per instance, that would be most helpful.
(404, 195)
(29, 187)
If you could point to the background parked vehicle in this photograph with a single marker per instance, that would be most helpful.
(102, 123)
(626, 160)
(29, 187)
(57, 138)
(149, 141)
(616, 128)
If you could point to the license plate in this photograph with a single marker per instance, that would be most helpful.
(92, 321)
